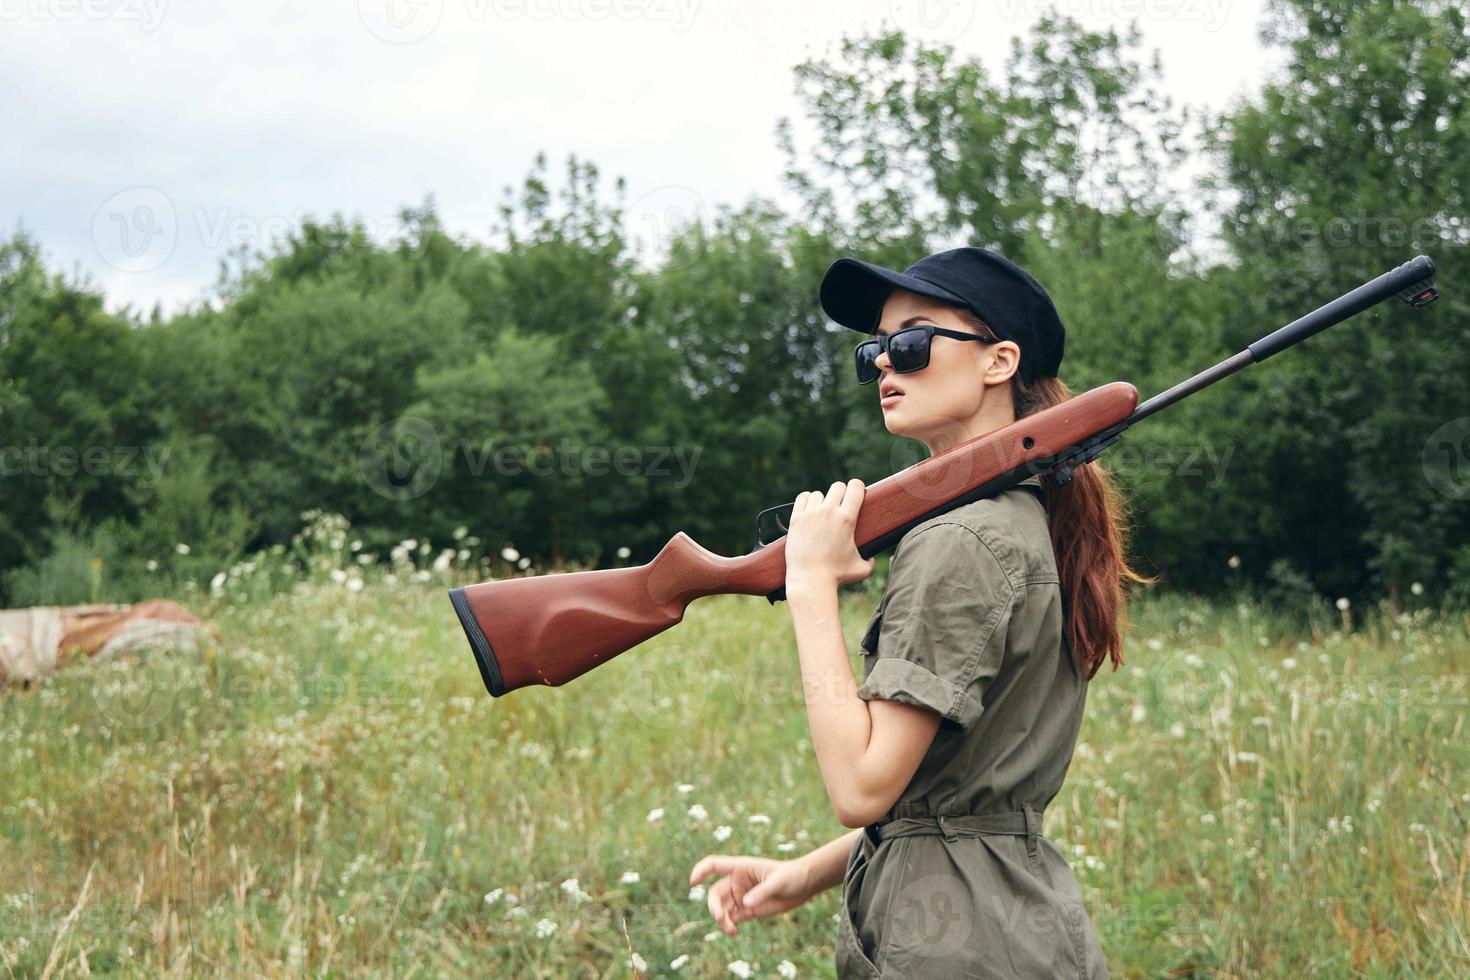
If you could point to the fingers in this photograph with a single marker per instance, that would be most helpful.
(711, 864)
(752, 899)
(852, 500)
(715, 899)
(847, 495)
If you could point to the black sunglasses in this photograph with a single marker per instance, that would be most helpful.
(908, 349)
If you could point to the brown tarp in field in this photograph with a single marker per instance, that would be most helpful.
(33, 640)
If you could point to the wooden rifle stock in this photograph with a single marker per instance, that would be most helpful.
(549, 629)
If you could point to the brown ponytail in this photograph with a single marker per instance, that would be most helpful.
(1086, 518)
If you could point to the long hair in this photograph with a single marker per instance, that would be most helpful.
(1087, 524)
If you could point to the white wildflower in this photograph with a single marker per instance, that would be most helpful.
(638, 963)
(758, 818)
(544, 928)
(677, 963)
(524, 563)
(629, 878)
(696, 894)
(722, 834)
(685, 787)
(657, 813)
(574, 888)
(1139, 713)
(697, 812)
(1177, 730)
(460, 532)
(1289, 663)
(493, 896)
(786, 968)
(217, 584)
(181, 548)
(741, 969)
(624, 552)
(1417, 588)
(509, 554)
(710, 937)
(1342, 603)
(152, 564)
(1234, 561)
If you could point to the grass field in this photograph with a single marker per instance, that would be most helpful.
(327, 790)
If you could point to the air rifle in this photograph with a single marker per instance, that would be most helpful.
(549, 629)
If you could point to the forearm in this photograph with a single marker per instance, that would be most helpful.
(827, 864)
(840, 722)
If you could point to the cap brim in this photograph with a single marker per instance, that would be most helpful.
(853, 291)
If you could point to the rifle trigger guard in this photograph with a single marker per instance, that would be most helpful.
(759, 544)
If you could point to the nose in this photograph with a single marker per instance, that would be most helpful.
(882, 363)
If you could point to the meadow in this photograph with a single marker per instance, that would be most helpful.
(326, 789)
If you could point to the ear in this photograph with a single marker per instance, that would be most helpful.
(1005, 360)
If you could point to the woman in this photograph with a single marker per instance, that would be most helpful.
(994, 618)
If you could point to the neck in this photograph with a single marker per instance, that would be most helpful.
(994, 412)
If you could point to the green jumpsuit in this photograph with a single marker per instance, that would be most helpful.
(956, 880)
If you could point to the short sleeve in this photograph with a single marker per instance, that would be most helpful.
(941, 630)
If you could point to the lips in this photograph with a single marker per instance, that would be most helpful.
(888, 388)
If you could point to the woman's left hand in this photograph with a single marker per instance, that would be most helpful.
(820, 548)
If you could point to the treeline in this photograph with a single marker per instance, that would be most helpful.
(541, 390)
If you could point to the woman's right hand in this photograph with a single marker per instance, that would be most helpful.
(752, 887)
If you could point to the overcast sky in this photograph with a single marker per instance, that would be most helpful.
(145, 138)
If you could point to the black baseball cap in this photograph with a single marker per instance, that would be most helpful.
(989, 285)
